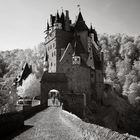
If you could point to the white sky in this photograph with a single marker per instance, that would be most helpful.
(22, 22)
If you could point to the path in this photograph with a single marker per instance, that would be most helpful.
(57, 124)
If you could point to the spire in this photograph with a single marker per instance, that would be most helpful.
(91, 29)
(57, 17)
(95, 36)
(80, 17)
(79, 7)
(48, 26)
(80, 23)
(62, 20)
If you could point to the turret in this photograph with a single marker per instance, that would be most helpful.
(57, 23)
(80, 24)
(81, 29)
(67, 21)
(93, 34)
(62, 19)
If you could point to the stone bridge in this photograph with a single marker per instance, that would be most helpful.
(54, 123)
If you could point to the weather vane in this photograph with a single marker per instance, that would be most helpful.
(62, 9)
(79, 7)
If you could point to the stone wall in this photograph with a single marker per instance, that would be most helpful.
(74, 103)
(50, 81)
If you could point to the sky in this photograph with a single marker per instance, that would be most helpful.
(22, 22)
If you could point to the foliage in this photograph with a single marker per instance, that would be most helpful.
(30, 87)
(11, 62)
(122, 63)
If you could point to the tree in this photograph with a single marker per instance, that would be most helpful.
(134, 92)
(30, 87)
(123, 68)
(3, 66)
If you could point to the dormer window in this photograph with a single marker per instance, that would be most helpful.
(58, 26)
(76, 60)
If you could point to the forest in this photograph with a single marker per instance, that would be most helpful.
(121, 64)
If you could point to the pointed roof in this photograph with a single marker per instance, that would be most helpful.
(80, 24)
(52, 19)
(62, 19)
(57, 18)
(80, 17)
(95, 36)
(91, 29)
(48, 26)
(26, 70)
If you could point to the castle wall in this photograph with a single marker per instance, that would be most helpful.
(56, 40)
(51, 81)
(99, 84)
(84, 39)
(78, 77)
(62, 40)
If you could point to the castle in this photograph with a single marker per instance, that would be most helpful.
(73, 61)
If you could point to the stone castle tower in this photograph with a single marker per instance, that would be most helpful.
(73, 61)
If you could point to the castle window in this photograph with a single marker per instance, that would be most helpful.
(52, 54)
(54, 45)
(76, 60)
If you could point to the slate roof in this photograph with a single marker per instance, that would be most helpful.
(52, 19)
(96, 57)
(26, 70)
(77, 46)
(80, 24)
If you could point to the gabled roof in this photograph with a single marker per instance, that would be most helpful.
(68, 50)
(80, 24)
(26, 70)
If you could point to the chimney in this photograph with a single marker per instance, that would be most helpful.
(67, 23)
(67, 14)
